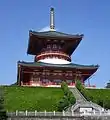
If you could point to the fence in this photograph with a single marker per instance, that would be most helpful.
(45, 113)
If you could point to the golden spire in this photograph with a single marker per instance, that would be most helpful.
(52, 26)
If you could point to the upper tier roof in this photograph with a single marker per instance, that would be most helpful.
(55, 34)
(38, 39)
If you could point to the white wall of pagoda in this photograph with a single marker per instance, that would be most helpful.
(54, 61)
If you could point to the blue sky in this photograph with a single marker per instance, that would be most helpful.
(90, 17)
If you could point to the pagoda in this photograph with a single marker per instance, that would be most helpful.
(52, 52)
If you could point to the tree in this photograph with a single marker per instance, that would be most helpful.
(1, 99)
(2, 110)
(78, 85)
(68, 98)
(63, 103)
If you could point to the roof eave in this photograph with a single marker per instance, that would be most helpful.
(69, 36)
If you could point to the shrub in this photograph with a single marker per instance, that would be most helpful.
(78, 85)
(83, 90)
(63, 103)
(71, 98)
(65, 88)
(68, 98)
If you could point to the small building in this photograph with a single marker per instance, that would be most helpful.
(52, 64)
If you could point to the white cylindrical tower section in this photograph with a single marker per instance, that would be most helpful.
(54, 61)
(53, 57)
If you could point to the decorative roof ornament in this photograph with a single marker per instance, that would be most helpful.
(52, 24)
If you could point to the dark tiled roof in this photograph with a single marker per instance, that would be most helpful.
(55, 34)
(71, 65)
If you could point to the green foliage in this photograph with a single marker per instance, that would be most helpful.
(65, 88)
(31, 98)
(3, 115)
(99, 96)
(83, 90)
(79, 85)
(63, 103)
(68, 98)
(71, 98)
(2, 111)
(106, 103)
(1, 99)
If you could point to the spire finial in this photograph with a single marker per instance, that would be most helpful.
(52, 26)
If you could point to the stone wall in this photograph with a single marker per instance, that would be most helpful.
(58, 115)
(59, 118)
(45, 118)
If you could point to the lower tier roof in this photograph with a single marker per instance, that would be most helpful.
(85, 70)
(71, 65)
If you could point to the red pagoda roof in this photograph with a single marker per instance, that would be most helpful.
(86, 70)
(38, 39)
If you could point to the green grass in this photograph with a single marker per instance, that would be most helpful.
(100, 94)
(40, 99)
(31, 98)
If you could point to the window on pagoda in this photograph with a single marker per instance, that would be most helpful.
(57, 81)
(59, 73)
(48, 46)
(70, 74)
(69, 81)
(47, 73)
(54, 46)
(59, 47)
(45, 80)
(43, 73)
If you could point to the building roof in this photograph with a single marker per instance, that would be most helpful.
(38, 40)
(55, 34)
(89, 69)
(71, 65)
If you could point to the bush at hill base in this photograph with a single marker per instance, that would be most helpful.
(68, 98)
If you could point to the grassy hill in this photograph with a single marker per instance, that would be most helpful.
(31, 98)
(99, 93)
(40, 99)
(100, 96)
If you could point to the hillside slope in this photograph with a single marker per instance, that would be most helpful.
(40, 99)
(31, 98)
(100, 96)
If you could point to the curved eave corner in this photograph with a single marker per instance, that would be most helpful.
(30, 34)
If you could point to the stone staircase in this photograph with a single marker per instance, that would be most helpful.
(79, 97)
(82, 102)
